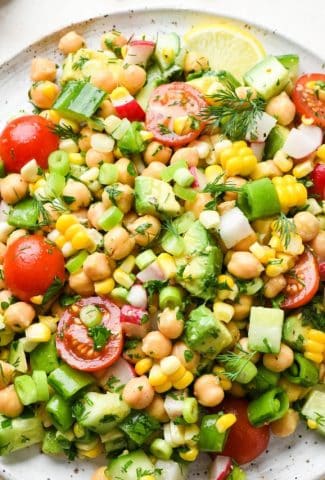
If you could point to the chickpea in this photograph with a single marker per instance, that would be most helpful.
(186, 356)
(6, 374)
(81, 284)
(195, 63)
(112, 40)
(197, 205)
(234, 332)
(169, 325)
(244, 265)
(132, 351)
(106, 109)
(318, 245)
(53, 213)
(282, 108)
(94, 158)
(79, 192)
(156, 409)
(138, 393)
(84, 140)
(157, 152)
(285, 426)
(189, 154)
(244, 348)
(156, 345)
(105, 80)
(10, 405)
(13, 188)
(3, 249)
(307, 225)
(124, 167)
(132, 77)
(44, 94)
(123, 200)
(5, 299)
(145, 229)
(208, 391)
(57, 310)
(19, 316)
(95, 211)
(71, 42)
(236, 182)
(154, 170)
(97, 267)
(274, 286)
(245, 243)
(118, 243)
(99, 474)
(21, 232)
(280, 361)
(224, 207)
(42, 69)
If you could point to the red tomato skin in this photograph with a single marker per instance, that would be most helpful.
(158, 111)
(307, 269)
(302, 99)
(69, 332)
(318, 179)
(322, 271)
(25, 138)
(30, 265)
(245, 442)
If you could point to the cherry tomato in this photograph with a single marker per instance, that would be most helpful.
(25, 138)
(168, 102)
(245, 442)
(76, 347)
(306, 97)
(318, 178)
(31, 265)
(322, 271)
(302, 283)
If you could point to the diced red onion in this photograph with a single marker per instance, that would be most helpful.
(121, 370)
(234, 227)
(303, 141)
(151, 272)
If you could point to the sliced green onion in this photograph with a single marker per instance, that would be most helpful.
(259, 199)
(109, 219)
(170, 297)
(168, 173)
(55, 184)
(119, 293)
(90, 316)
(108, 174)
(75, 263)
(190, 410)
(185, 193)
(144, 259)
(42, 388)
(172, 244)
(58, 162)
(26, 389)
(161, 449)
(183, 177)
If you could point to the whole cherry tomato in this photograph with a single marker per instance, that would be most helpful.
(307, 99)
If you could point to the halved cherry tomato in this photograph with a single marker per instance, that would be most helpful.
(302, 283)
(25, 138)
(317, 176)
(245, 442)
(31, 264)
(306, 97)
(168, 102)
(322, 271)
(76, 347)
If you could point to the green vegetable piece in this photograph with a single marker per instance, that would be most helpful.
(314, 407)
(167, 42)
(55, 184)
(44, 357)
(61, 412)
(185, 193)
(270, 406)
(119, 293)
(190, 410)
(42, 388)
(161, 449)
(67, 382)
(154, 78)
(26, 389)
(18, 433)
(205, 334)
(110, 218)
(75, 263)
(275, 141)
(130, 466)
(173, 244)
(265, 329)
(90, 315)
(131, 142)
(302, 371)
(17, 356)
(170, 297)
(258, 199)
(114, 441)
(51, 445)
(6, 334)
(268, 77)
(168, 173)
(155, 197)
(58, 162)
(144, 259)
(139, 426)
(211, 440)
(183, 177)
(237, 474)
(264, 380)
(291, 63)
(294, 332)
(238, 367)
(25, 214)
(108, 174)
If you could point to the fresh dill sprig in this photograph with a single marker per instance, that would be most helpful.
(79, 63)
(217, 189)
(234, 362)
(169, 226)
(235, 116)
(284, 227)
(65, 131)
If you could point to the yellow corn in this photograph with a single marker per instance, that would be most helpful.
(157, 377)
(316, 335)
(37, 299)
(65, 221)
(164, 387)
(312, 424)
(72, 231)
(146, 477)
(262, 252)
(52, 115)
(143, 366)
(81, 240)
(224, 380)
(182, 125)
(290, 192)
(288, 261)
(184, 381)
(123, 278)
(223, 311)
(314, 357)
(145, 135)
(38, 332)
(76, 158)
(170, 365)
(227, 289)
(314, 347)
(67, 122)
(178, 374)
(49, 321)
(60, 241)
(94, 452)
(238, 159)
(104, 287)
(265, 169)
(128, 264)
(167, 264)
(212, 172)
(119, 93)
(321, 152)
(190, 455)
(225, 422)
(303, 169)
(283, 163)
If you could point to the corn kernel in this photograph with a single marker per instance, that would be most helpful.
(182, 125)
(184, 381)
(178, 374)
(169, 365)
(94, 452)
(238, 159)
(104, 287)
(38, 332)
(52, 115)
(190, 455)
(212, 172)
(167, 264)
(273, 270)
(67, 122)
(314, 347)
(147, 477)
(314, 357)
(164, 387)
(312, 424)
(220, 372)
(123, 278)
(284, 163)
(321, 152)
(81, 241)
(60, 241)
(145, 135)
(72, 231)
(303, 169)
(76, 158)
(225, 422)
(65, 221)
(262, 252)
(156, 376)
(128, 264)
(37, 299)
(290, 192)
(316, 335)
(143, 366)
(223, 311)
(49, 321)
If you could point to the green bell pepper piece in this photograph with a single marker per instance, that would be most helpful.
(270, 406)
(26, 389)
(259, 199)
(25, 214)
(61, 412)
(44, 357)
(67, 382)
(264, 380)
(211, 440)
(302, 371)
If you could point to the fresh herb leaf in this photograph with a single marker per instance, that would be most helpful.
(154, 286)
(141, 229)
(314, 313)
(113, 193)
(284, 227)
(67, 300)
(131, 169)
(80, 63)
(53, 289)
(65, 132)
(68, 199)
(278, 300)
(188, 355)
(100, 335)
(234, 362)
(216, 189)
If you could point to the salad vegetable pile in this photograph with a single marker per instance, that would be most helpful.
(162, 246)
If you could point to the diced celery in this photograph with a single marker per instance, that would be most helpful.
(265, 329)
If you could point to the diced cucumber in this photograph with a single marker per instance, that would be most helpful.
(138, 426)
(167, 49)
(17, 433)
(291, 63)
(17, 356)
(6, 335)
(131, 466)
(314, 407)
(275, 141)
(294, 332)
(268, 77)
(265, 329)
(113, 441)
(154, 78)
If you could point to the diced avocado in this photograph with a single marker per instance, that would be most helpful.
(268, 77)
(314, 408)
(85, 62)
(17, 433)
(184, 222)
(275, 141)
(101, 412)
(131, 141)
(265, 329)
(196, 239)
(291, 63)
(167, 49)
(17, 356)
(154, 78)
(205, 79)
(155, 197)
(6, 335)
(138, 426)
(205, 334)
(131, 466)
(294, 332)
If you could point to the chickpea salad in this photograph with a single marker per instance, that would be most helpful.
(162, 246)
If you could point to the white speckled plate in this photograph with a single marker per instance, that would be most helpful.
(300, 457)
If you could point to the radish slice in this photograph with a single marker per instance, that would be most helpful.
(152, 272)
(137, 296)
(220, 468)
(139, 52)
(263, 126)
(170, 470)
(303, 141)
(258, 149)
(173, 406)
(200, 180)
(135, 321)
(121, 372)
(313, 132)
(234, 227)
(126, 106)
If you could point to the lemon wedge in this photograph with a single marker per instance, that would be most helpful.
(227, 47)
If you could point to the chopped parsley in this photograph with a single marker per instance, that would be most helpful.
(100, 335)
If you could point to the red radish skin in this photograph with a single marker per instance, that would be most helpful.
(322, 271)
(220, 468)
(152, 272)
(134, 321)
(318, 179)
(139, 52)
(130, 110)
